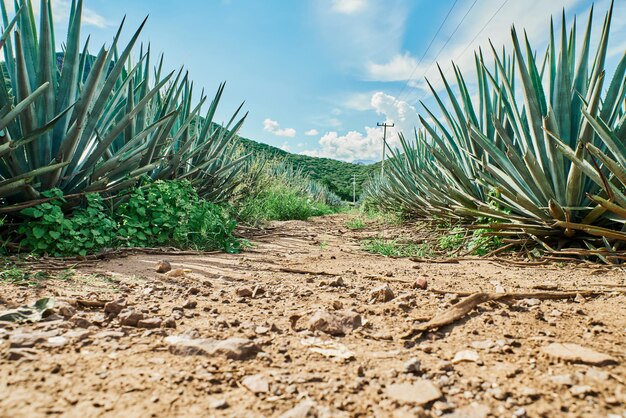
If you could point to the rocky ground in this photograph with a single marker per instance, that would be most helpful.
(306, 324)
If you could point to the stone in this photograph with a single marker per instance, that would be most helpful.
(338, 282)
(328, 348)
(113, 308)
(177, 273)
(382, 294)
(256, 384)
(29, 340)
(334, 323)
(575, 353)
(473, 410)
(232, 348)
(169, 323)
(562, 379)
(58, 341)
(466, 356)
(413, 366)
(244, 292)
(219, 404)
(163, 266)
(130, 317)
(24, 354)
(81, 322)
(305, 409)
(581, 391)
(483, 345)
(190, 304)
(65, 310)
(149, 323)
(597, 375)
(421, 283)
(420, 392)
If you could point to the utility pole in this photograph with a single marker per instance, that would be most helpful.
(354, 189)
(385, 126)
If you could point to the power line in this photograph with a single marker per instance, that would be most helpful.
(449, 38)
(427, 49)
(475, 37)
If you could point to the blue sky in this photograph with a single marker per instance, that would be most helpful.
(317, 75)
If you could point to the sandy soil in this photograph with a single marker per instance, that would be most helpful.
(83, 362)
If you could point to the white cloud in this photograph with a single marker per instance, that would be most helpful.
(348, 6)
(285, 147)
(312, 132)
(273, 127)
(399, 68)
(367, 144)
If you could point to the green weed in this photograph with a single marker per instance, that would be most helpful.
(355, 223)
(392, 248)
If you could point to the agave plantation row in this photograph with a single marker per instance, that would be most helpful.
(83, 123)
(539, 155)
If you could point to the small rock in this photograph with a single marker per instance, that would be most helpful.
(169, 323)
(112, 309)
(483, 345)
(130, 317)
(190, 304)
(81, 322)
(578, 354)
(24, 354)
(244, 292)
(580, 298)
(338, 282)
(466, 355)
(413, 366)
(473, 410)
(58, 341)
(337, 305)
(163, 266)
(177, 273)
(421, 283)
(305, 409)
(597, 375)
(219, 404)
(149, 323)
(382, 294)
(519, 412)
(261, 330)
(256, 384)
(420, 393)
(563, 379)
(581, 391)
(335, 323)
(65, 310)
(232, 348)
(532, 302)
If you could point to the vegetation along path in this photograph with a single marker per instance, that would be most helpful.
(305, 323)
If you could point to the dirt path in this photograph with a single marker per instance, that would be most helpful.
(251, 337)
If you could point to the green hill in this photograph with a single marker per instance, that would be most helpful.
(337, 175)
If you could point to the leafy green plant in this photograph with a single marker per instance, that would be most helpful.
(172, 213)
(453, 240)
(48, 230)
(392, 248)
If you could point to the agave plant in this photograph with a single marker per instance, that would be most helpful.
(84, 123)
(534, 163)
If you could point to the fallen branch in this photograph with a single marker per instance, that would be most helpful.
(472, 300)
(300, 271)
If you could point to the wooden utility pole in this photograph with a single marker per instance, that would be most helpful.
(354, 189)
(385, 126)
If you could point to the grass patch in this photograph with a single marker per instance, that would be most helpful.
(281, 203)
(355, 223)
(392, 248)
(14, 275)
